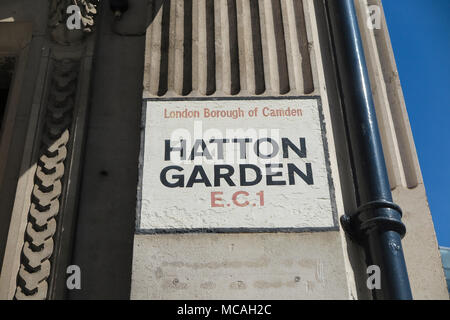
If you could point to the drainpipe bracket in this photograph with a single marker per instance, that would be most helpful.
(355, 228)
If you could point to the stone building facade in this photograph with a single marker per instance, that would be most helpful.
(73, 116)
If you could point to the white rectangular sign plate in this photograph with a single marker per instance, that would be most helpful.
(234, 165)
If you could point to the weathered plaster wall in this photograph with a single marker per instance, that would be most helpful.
(283, 58)
(239, 266)
(306, 265)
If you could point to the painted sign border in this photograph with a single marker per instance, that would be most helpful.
(335, 226)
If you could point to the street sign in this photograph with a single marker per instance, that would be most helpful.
(234, 165)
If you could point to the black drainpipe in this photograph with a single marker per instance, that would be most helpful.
(376, 224)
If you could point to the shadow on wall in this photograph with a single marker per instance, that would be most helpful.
(104, 228)
(41, 161)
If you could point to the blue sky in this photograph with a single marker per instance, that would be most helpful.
(420, 35)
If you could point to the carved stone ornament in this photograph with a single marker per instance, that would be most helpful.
(32, 279)
(58, 18)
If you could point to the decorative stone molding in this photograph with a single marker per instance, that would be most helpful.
(58, 17)
(45, 199)
(42, 224)
(227, 48)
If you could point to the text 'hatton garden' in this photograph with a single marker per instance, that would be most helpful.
(275, 173)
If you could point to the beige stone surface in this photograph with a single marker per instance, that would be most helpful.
(283, 266)
(246, 266)
(422, 256)
(233, 48)
(239, 266)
